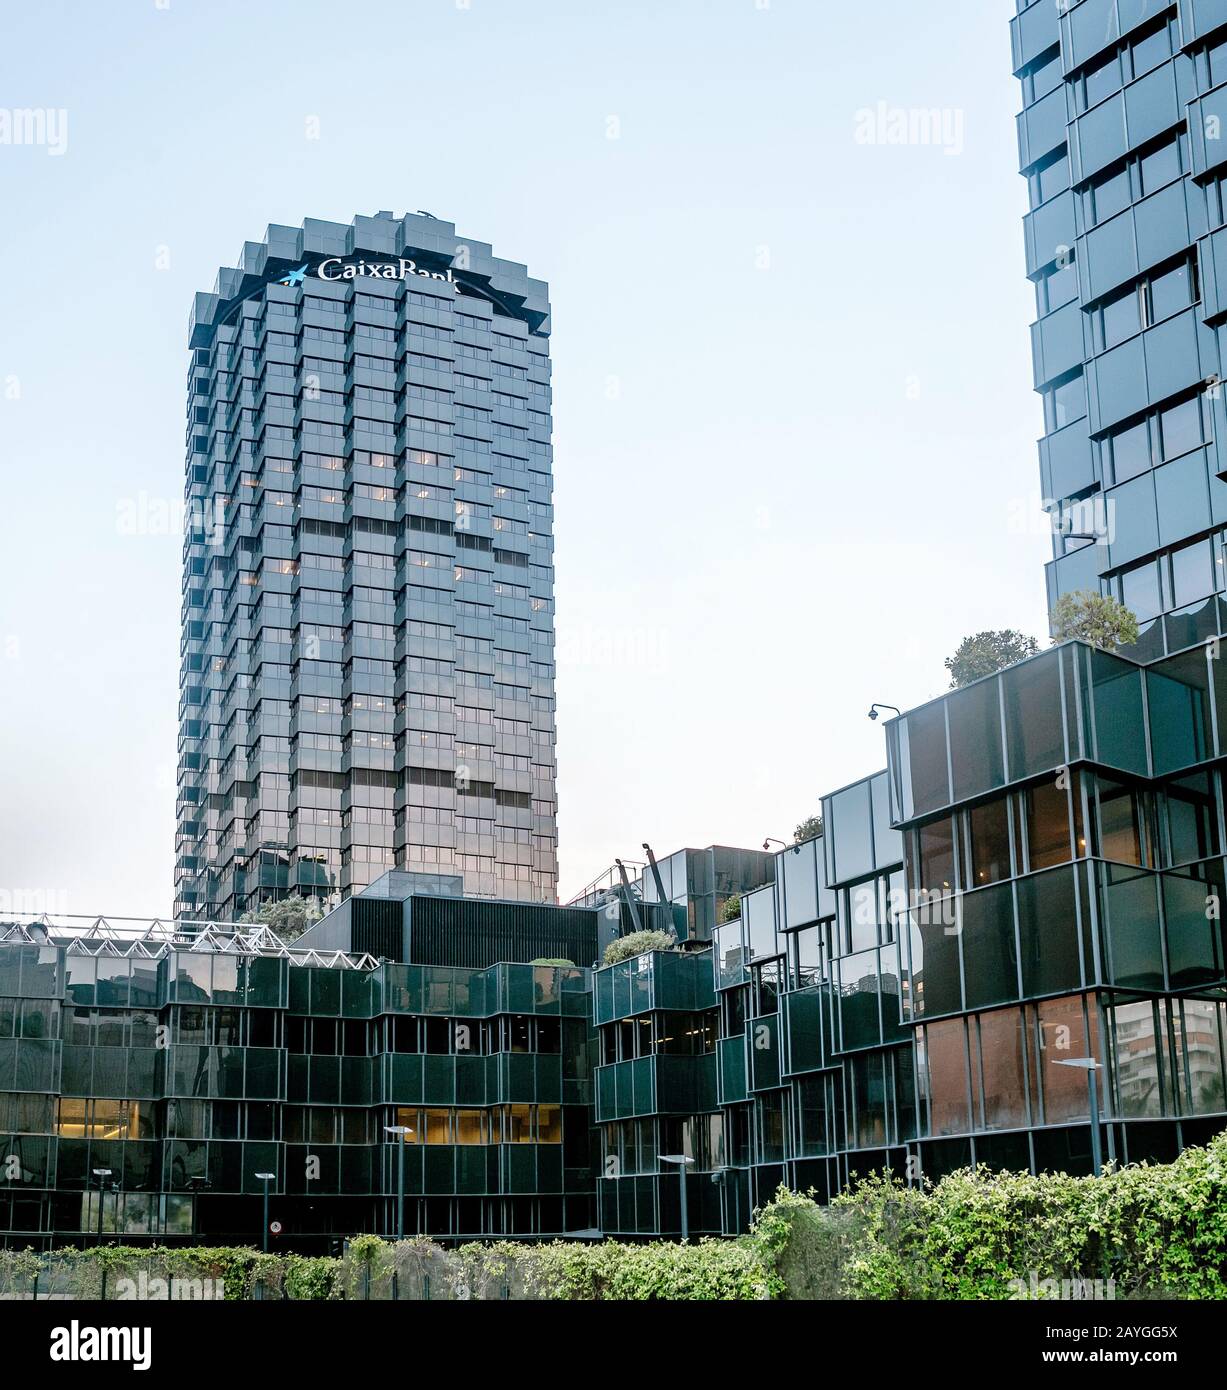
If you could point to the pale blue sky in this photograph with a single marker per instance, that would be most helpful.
(795, 431)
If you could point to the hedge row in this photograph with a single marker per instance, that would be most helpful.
(1140, 1232)
(1148, 1231)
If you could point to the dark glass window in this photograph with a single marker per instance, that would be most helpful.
(1194, 944)
(1062, 1033)
(1139, 1075)
(1102, 80)
(1179, 708)
(1171, 292)
(1192, 573)
(1192, 824)
(1129, 913)
(520, 1029)
(1122, 318)
(1048, 932)
(975, 739)
(1111, 196)
(1160, 167)
(1149, 52)
(1181, 428)
(1140, 591)
(935, 843)
(989, 957)
(1121, 824)
(935, 967)
(990, 842)
(1057, 288)
(1001, 1062)
(806, 957)
(863, 913)
(1034, 736)
(922, 740)
(1131, 452)
(1045, 78)
(1047, 810)
(1052, 179)
(944, 1054)
(1064, 403)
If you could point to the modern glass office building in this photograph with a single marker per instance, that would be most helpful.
(1121, 143)
(1032, 887)
(1036, 879)
(367, 676)
(149, 1077)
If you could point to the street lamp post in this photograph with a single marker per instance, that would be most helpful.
(402, 1132)
(102, 1174)
(197, 1184)
(1090, 1066)
(266, 1178)
(682, 1164)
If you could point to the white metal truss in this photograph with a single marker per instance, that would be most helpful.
(152, 939)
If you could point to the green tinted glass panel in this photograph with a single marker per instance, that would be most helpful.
(1178, 695)
(1048, 932)
(1116, 691)
(1130, 927)
(976, 758)
(922, 750)
(1192, 910)
(1035, 739)
(990, 961)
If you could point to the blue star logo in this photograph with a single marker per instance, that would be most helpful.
(295, 277)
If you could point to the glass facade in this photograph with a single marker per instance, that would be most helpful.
(367, 674)
(1124, 241)
(185, 1071)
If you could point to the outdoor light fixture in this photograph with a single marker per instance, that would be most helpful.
(102, 1174)
(771, 840)
(266, 1178)
(682, 1164)
(402, 1132)
(875, 707)
(1090, 1066)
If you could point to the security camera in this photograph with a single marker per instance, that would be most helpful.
(766, 844)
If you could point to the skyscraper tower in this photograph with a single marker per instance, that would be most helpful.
(367, 676)
(1121, 141)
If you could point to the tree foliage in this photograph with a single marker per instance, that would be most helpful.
(1099, 619)
(807, 829)
(730, 908)
(985, 653)
(637, 943)
(1154, 1231)
(288, 917)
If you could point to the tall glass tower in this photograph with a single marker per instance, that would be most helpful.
(1123, 146)
(367, 677)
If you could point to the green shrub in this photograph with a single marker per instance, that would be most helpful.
(1154, 1231)
(550, 960)
(637, 943)
(730, 909)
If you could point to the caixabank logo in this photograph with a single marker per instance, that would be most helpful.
(338, 268)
